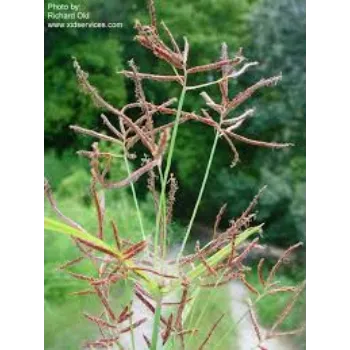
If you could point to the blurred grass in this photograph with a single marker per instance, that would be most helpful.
(270, 307)
(65, 326)
(214, 303)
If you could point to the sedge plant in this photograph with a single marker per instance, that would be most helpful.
(145, 264)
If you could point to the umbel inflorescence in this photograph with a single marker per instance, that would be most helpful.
(145, 264)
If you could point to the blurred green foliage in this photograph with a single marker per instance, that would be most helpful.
(271, 306)
(100, 54)
(271, 32)
(58, 166)
(276, 38)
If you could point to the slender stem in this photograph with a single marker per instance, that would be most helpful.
(135, 197)
(204, 182)
(156, 324)
(164, 214)
(122, 128)
(177, 73)
(232, 76)
(132, 331)
(162, 199)
(200, 86)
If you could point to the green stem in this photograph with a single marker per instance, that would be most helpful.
(164, 214)
(135, 197)
(204, 182)
(187, 311)
(162, 199)
(196, 87)
(231, 76)
(156, 325)
(132, 331)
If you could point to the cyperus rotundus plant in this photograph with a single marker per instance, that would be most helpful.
(145, 263)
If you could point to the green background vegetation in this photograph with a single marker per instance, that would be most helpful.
(271, 32)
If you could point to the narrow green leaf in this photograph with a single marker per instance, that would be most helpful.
(56, 226)
(216, 258)
(223, 253)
